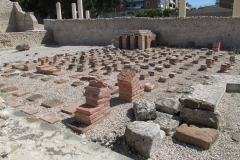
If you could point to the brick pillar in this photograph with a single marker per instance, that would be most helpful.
(141, 42)
(117, 42)
(132, 42)
(97, 104)
(124, 41)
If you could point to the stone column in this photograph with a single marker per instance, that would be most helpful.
(176, 4)
(167, 3)
(164, 5)
(182, 9)
(141, 42)
(80, 9)
(87, 14)
(236, 10)
(59, 12)
(74, 12)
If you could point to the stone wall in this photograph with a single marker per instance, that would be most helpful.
(34, 38)
(173, 31)
(13, 19)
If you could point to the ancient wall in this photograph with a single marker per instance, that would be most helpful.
(7, 17)
(33, 38)
(174, 31)
(13, 19)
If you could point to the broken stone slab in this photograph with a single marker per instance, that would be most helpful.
(168, 123)
(144, 137)
(51, 103)
(201, 137)
(200, 117)
(35, 97)
(168, 105)
(236, 136)
(144, 110)
(21, 93)
(23, 46)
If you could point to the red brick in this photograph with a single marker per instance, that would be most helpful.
(89, 109)
(14, 104)
(98, 89)
(97, 102)
(93, 118)
(70, 109)
(21, 93)
(50, 119)
(30, 111)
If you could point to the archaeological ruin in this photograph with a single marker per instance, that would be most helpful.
(119, 88)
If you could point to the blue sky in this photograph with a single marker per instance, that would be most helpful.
(198, 3)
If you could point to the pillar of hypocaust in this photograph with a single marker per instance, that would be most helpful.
(59, 12)
(182, 9)
(236, 8)
(74, 12)
(80, 9)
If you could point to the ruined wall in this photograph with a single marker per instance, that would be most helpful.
(174, 31)
(7, 17)
(13, 19)
(33, 38)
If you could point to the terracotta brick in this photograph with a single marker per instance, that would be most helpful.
(50, 119)
(14, 104)
(60, 81)
(89, 88)
(93, 118)
(89, 109)
(21, 93)
(70, 109)
(51, 103)
(97, 102)
(30, 111)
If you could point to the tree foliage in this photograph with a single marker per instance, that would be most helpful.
(47, 8)
(157, 12)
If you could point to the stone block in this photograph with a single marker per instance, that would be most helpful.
(168, 123)
(169, 105)
(198, 104)
(201, 137)
(144, 137)
(144, 110)
(200, 117)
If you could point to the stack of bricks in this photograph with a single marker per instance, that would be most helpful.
(47, 69)
(217, 46)
(130, 87)
(97, 104)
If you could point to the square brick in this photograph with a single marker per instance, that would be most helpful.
(50, 119)
(9, 89)
(35, 97)
(51, 103)
(21, 93)
(30, 111)
(14, 104)
(76, 84)
(89, 109)
(47, 79)
(59, 73)
(60, 81)
(70, 109)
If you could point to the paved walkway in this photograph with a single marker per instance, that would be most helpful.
(25, 137)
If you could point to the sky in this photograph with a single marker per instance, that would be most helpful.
(199, 3)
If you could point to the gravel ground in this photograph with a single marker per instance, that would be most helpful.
(110, 132)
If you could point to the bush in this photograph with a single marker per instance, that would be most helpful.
(157, 12)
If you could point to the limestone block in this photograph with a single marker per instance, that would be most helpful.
(144, 110)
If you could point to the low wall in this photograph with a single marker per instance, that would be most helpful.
(174, 31)
(33, 38)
